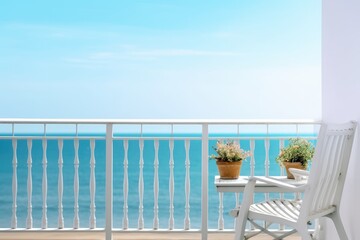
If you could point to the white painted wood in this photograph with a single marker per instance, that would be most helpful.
(267, 165)
(221, 212)
(204, 181)
(156, 185)
(29, 219)
(141, 186)
(125, 185)
(76, 184)
(237, 204)
(171, 184)
(267, 160)
(92, 220)
(252, 169)
(238, 185)
(14, 185)
(237, 194)
(282, 172)
(322, 192)
(109, 182)
(44, 220)
(252, 157)
(335, 148)
(281, 145)
(187, 185)
(318, 203)
(333, 169)
(204, 204)
(60, 185)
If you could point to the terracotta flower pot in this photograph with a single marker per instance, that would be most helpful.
(288, 165)
(229, 170)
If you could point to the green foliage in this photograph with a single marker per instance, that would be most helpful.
(298, 150)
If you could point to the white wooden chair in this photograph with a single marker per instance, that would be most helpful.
(322, 193)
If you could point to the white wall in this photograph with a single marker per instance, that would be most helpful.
(341, 95)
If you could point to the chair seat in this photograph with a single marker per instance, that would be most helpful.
(287, 210)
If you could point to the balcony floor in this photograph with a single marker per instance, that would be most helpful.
(124, 236)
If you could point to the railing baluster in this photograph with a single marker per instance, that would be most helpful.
(252, 166)
(14, 185)
(267, 161)
(60, 185)
(281, 145)
(171, 184)
(156, 185)
(92, 220)
(221, 205)
(252, 161)
(141, 186)
(44, 220)
(76, 184)
(237, 195)
(187, 185)
(267, 169)
(125, 185)
(29, 219)
(221, 212)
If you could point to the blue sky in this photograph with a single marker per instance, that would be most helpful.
(160, 59)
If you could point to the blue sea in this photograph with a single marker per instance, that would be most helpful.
(52, 153)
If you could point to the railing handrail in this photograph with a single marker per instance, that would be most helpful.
(155, 121)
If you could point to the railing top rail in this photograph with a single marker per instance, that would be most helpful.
(156, 121)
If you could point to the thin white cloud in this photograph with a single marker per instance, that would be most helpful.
(96, 58)
(131, 54)
(61, 31)
(181, 52)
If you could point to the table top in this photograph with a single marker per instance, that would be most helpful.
(238, 185)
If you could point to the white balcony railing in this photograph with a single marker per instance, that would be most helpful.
(128, 175)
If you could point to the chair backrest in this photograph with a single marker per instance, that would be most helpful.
(328, 171)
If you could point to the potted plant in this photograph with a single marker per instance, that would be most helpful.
(229, 158)
(296, 155)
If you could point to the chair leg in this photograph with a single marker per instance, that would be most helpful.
(335, 217)
(304, 233)
(240, 228)
(242, 217)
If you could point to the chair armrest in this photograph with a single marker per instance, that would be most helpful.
(299, 173)
(279, 184)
